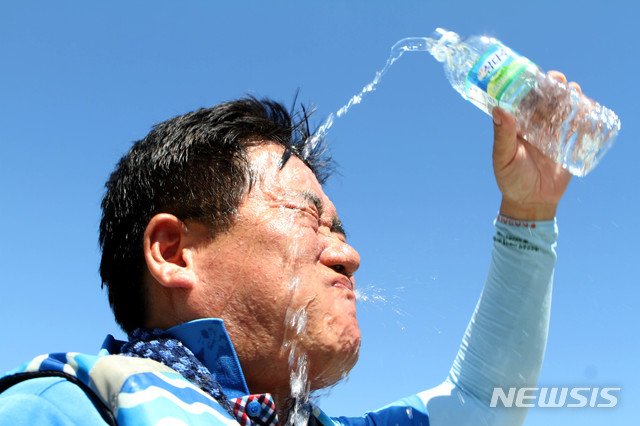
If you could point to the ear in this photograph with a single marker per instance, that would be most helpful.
(168, 253)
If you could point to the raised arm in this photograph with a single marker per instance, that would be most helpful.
(504, 344)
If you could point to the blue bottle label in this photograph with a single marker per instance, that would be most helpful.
(493, 74)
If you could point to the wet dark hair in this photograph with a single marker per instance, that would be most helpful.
(195, 167)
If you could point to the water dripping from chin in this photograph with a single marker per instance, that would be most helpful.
(300, 387)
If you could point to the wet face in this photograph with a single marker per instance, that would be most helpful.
(282, 278)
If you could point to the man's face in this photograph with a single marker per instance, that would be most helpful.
(284, 258)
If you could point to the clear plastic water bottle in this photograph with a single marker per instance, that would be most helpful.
(572, 129)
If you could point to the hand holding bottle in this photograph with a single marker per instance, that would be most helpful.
(531, 183)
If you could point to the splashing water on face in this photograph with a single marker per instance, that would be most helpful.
(299, 366)
(296, 319)
(409, 44)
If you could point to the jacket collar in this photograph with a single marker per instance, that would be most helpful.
(210, 343)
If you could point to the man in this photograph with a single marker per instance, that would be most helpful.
(229, 269)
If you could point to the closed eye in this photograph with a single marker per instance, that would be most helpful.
(315, 203)
(336, 224)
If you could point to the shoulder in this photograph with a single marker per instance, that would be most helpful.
(135, 390)
(47, 400)
(53, 389)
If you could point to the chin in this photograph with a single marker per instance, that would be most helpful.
(331, 368)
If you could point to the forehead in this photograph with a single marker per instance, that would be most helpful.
(294, 178)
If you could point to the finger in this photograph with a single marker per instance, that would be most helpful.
(505, 137)
(557, 75)
(576, 86)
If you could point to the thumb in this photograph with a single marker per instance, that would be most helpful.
(505, 137)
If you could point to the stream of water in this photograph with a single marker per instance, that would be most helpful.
(296, 319)
(409, 44)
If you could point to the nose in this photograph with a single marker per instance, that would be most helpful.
(341, 257)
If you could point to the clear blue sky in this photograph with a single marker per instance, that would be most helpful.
(79, 81)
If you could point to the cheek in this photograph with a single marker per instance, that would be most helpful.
(342, 322)
(335, 326)
(291, 240)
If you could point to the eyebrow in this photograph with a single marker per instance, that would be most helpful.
(336, 224)
(285, 157)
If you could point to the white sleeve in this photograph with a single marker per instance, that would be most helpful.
(504, 344)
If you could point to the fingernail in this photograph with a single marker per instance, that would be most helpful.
(497, 118)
